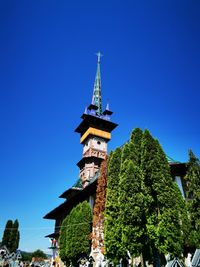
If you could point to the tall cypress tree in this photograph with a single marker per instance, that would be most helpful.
(193, 199)
(7, 235)
(112, 230)
(135, 146)
(131, 201)
(145, 211)
(11, 235)
(125, 152)
(164, 201)
(15, 236)
(131, 197)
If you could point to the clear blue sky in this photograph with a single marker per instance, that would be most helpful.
(150, 74)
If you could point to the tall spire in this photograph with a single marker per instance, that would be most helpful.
(96, 98)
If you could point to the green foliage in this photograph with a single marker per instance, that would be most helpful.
(131, 201)
(193, 196)
(125, 152)
(164, 214)
(6, 240)
(112, 230)
(135, 146)
(145, 211)
(26, 256)
(15, 236)
(75, 231)
(11, 235)
(39, 254)
(62, 239)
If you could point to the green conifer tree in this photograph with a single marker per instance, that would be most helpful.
(164, 201)
(131, 201)
(192, 179)
(125, 152)
(145, 211)
(15, 236)
(135, 146)
(111, 227)
(7, 235)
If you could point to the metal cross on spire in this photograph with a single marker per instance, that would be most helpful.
(99, 55)
(96, 98)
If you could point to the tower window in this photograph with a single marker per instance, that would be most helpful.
(98, 142)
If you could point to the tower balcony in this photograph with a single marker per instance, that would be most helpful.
(92, 152)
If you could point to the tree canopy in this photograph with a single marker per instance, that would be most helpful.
(112, 231)
(11, 235)
(131, 202)
(39, 254)
(192, 179)
(75, 230)
(164, 206)
(144, 207)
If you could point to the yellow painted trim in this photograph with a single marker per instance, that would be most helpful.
(95, 132)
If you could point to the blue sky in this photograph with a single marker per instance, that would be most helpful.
(150, 75)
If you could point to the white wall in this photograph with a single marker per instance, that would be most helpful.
(95, 142)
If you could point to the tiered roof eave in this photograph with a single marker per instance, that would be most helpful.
(79, 195)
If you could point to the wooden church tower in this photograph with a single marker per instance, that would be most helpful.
(95, 132)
